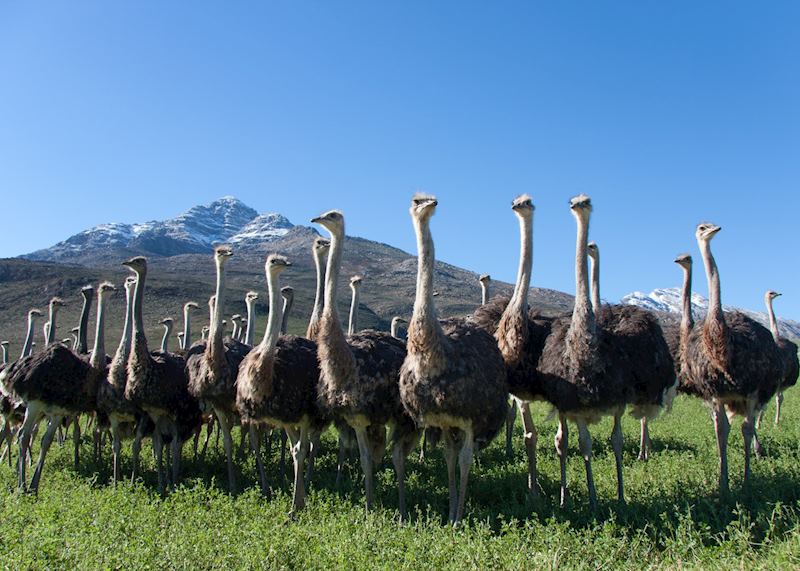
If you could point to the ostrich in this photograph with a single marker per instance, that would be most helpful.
(237, 326)
(27, 347)
(111, 400)
(730, 361)
(179, 335)
(242, 330)
(355, 286)
(157, 384)
(578, 370)
(4, 347)
(788, 352)
(358, 381)
(319, 252)
(50, 327)
(643, 354)
(520, 335)
(167, 322)
(188, 307)
(87, 292)
(397, 321)
(277, 385)
(212, 372)
(485, 280)
(287, 293)
(74, 331)
(453, 377)
(57, 383)
(204, 333)
(250, 301)
(676, 335)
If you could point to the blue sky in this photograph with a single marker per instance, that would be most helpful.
(666, 113)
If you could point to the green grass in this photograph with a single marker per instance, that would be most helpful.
(673, 517)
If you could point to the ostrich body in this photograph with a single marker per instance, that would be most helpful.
(453, 377)
(520, 335)
(250, 299)
(212, 371)
(730, 361)
(578, 368)
(277, 385)
(359, 375)
(788, 351)
(157, 384)
(319, 252)
(643, 355)
(355, 286)
(58, 383)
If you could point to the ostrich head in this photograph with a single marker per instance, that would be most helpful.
(34, 313)
(706, 231)
(75, 330)
(167, 322)
(332, 221)
(137, 264)
(236, 318)
(190, 305)
(130, 281)
(275, 264)
(397, 320)
(57, 302)
(523, 205)
(106, 288)
(321, 245)
(355, 282)
(684, 261)
(770, 295)
(222, 253)
(287, 292)
(250, 296)
(485, 278)
(592, 250)
(87, 291)
(423, 206)
(581, 207)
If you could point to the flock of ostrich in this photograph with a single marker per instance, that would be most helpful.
(456, 381)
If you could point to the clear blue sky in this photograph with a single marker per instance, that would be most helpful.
(666, 113)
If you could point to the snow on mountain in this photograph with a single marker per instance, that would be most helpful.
(195, 231)
(669, 300)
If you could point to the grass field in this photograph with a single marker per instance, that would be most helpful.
(673, 517)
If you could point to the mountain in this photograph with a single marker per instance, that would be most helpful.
(668, 300)
(195, 231)
(181, 268)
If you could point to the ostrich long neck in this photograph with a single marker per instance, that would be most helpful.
(139, 353)
(83, 325)
(687, 321)
(512, 330)
(595, 262)
(124, 347)
(98, 359)
(251, 323)
(187, 328)
(484, 293)
(336, 359)
(165, 338)
(583, 318)
(352, 327)
(712, 275)
(215, 347)
(5, 354)
(28, 346)
(320, 295)
(519, 300)
(287, 307)
(273, 331)
(773, 323)
(51, 330)
(425, 335)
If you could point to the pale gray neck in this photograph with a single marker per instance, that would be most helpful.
(330, 312)
(773, 323)
(236, 328)
(251, 322)
(519, 300)
(98, 358)
(484, 293)
(273, 331)
(83, 324)
(165, 338)
(319, 297)
(712, 275)
(216, 333)
(187, 328)
(5, 354)
(424, 324)
(687, 320)
(595, 263)
(395, 330)
(51, 329)
(28, 346)
(287, 307)
(352, 327)
(583, 318)
(138, 299)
